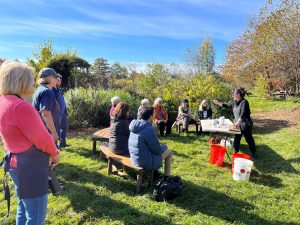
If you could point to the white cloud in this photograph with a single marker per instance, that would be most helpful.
(92, 19)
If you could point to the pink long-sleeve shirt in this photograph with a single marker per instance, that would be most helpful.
(21, 127)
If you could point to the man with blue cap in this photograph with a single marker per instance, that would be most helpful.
(45, 102)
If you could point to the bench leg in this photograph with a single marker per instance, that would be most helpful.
(139, 182)
(94, 146)
(150, 177)
(109, 167)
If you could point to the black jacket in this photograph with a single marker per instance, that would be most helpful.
(241, 109)
(206, 113)
(119, 134)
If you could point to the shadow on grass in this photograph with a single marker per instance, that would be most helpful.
(203, 200)
(85, 152)
(266, 180)
(70, 172)
(94, 205)
(267, 126)
(269, 161)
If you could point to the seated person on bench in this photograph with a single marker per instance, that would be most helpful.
(161, 118)
(205, 112)
(119, 130)
(144, 147)
(184, 116)
(144, 104)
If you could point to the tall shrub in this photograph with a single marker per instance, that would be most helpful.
(90, 107)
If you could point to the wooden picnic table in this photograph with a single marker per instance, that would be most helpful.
(100, 135)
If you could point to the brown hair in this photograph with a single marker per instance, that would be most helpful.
(121, 110)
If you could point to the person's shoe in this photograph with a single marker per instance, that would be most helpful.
(254, 156)
(63, 145)
(157, 175)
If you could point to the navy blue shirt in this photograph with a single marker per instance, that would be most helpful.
(60, 99)
(44, 99)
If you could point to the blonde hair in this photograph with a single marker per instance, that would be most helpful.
(15, 78)
(44, 80)
(202, 103)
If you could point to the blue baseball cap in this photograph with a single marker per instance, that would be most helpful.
(45, 72)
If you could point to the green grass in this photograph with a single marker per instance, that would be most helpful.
(258, 104)
(210, 196)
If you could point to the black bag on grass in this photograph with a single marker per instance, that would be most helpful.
(167, 189)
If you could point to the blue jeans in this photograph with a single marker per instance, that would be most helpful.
(30, 211)
(64, 126)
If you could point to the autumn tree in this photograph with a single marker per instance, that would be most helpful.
(269, 47)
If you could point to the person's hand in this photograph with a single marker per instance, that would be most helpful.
(54, 160)
(217, 102)
(55, 137)
(237, 125)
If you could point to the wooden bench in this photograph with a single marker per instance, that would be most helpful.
(125, 161)
(100, 135)
(280, 94)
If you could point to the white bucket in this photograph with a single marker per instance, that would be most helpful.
(242, 169)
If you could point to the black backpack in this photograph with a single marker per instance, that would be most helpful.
(167, 189)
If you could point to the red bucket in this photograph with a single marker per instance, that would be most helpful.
(217, 153)
(239, 155)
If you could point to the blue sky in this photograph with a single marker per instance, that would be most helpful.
(128, 31)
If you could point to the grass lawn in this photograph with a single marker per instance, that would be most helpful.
(210, 196)
(262, 105)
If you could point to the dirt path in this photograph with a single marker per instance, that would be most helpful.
(278, 119)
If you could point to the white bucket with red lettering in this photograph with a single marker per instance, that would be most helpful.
(242, 169)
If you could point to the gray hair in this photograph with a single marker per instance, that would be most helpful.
(145, 101)
(115, 100)
(157, 100)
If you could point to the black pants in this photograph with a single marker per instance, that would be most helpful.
(161, 125)
(186, 121)
(249, 139)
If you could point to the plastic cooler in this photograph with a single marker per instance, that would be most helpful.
(238, 155)
(217, 153)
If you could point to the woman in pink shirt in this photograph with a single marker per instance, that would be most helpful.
(114, 102)
(27, 141)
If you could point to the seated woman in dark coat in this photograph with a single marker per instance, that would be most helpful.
(119, 130)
